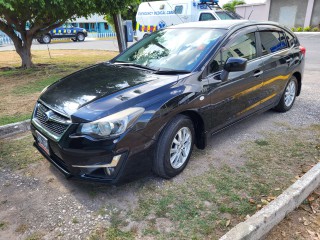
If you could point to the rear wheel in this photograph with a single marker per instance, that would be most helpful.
(289, 96)
(46, 39)
(174, 147)
(80, 37)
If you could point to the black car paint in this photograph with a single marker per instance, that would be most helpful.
(210, 103)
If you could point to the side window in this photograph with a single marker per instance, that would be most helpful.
(206, 17)
(243, 46)
(178, 9)
(272, 41)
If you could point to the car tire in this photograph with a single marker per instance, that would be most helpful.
(289, 96)
(39, 40)
(46, 39)
(80, 37)
(174, 147)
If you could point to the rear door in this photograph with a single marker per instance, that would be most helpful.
(277, 58)
(240, 94)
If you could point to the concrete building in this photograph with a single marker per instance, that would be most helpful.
(291, 13)
(94, 23)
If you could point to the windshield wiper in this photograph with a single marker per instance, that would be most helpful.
(135, 65)
(171, 71)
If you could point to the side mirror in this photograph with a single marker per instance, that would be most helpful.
(233, 65)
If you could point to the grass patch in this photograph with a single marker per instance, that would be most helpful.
(207, 206)
(3, 225)
(35, 236)
(21, 88)
(19, 153)
(14, 118)
(111, 233)
(37, 86)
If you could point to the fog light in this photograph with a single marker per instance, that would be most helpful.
(113, 164)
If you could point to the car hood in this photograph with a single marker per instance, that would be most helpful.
(101, 88)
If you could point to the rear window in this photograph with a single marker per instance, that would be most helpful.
(272, 41)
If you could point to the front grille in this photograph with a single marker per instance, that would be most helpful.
(56, 124)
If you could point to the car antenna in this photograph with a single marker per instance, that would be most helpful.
(251, 12)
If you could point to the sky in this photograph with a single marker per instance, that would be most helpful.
(221, 2)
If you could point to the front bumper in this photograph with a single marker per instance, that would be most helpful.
(135, 159)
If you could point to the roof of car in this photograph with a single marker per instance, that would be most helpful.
(222, 24)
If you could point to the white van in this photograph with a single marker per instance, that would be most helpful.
(152, 16)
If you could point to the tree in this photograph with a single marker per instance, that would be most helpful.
(230, 6)
(42, 16)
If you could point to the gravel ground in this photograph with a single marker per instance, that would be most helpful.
(41, 201)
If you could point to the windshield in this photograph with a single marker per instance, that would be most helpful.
(172, 49)
(227, 15)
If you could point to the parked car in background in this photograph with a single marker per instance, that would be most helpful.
(147, 107)
(65, 31)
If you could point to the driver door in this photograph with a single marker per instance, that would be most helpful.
(238, 96)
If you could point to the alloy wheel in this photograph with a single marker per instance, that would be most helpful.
(180, 147)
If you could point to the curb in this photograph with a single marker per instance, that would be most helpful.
(14, 128)
(258, 225)
(307, 33)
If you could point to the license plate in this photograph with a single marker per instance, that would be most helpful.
(43, 142)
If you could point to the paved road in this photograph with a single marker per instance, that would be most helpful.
(93, 44)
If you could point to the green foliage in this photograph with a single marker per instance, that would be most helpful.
(299, 29)
(230, 6)
(315, 29)
(293, 29)
(307, 29)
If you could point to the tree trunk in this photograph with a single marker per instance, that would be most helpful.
(26, 57)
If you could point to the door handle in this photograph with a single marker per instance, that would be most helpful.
(257, 73)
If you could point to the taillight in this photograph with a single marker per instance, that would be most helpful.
(302, 50)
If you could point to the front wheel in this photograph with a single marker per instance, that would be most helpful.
(289, 96)
(80, 37)
(174, 147)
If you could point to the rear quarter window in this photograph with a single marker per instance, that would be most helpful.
(292, 41)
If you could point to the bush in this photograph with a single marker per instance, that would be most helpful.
(315, 29)
(307, 29)
(299, 29)
(293, 29)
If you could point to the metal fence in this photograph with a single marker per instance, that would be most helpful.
(5, 40)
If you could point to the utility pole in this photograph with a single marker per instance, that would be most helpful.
(118, 24)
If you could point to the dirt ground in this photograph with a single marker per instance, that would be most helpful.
(37, 202)
(303, 223)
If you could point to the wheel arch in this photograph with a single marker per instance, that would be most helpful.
(199, 127)
(298, 76)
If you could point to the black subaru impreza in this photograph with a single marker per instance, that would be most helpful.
(146, 108)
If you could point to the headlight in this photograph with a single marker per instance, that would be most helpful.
(113, 125)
